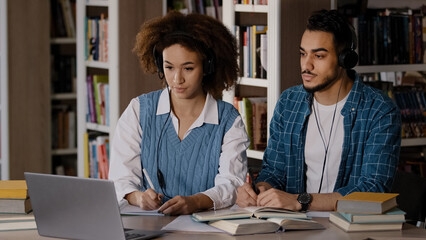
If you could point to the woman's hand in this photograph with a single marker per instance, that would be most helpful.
(148, 200)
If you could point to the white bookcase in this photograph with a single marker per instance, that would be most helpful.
(126, 79)
(272, 83)
(4, 122)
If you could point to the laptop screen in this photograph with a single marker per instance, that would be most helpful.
(72, 207)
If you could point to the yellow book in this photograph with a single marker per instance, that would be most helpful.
(367, 202)
(13, 189)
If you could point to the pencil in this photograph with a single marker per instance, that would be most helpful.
(148, 178)
(253, 185)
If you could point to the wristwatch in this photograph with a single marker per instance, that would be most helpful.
(304, 199)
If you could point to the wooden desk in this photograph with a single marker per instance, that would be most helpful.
(330, 233)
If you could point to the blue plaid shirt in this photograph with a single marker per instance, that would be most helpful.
(371, 145)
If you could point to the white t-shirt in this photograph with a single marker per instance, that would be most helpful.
(315, 147)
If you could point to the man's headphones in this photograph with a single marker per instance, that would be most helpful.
(348, 58)
(208, 63)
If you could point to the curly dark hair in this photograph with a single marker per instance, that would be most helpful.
(206, 32)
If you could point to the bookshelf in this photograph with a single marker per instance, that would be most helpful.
(63, 89)
(286, 22)
(405, 142)
(412, 149)
(231, 14)
(125, 77)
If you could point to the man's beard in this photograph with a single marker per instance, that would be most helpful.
(328, 82)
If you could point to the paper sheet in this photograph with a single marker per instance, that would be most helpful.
(127, 209)
(185, 223)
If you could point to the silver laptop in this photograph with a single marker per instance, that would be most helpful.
(78, 208)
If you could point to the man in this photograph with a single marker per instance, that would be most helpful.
(330, 136)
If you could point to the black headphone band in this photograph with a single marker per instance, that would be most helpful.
(348, 58)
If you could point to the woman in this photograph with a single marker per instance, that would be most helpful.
(180, 149)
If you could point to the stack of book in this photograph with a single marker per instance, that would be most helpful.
(15, 206)
(365, 211)
(14, 197)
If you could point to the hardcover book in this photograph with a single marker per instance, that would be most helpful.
(13, 189)
(367, 202)
(15, 205)
(393, 215)
(14, 226)
(16, 217)
(342, 223)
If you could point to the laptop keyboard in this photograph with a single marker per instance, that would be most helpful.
(131, 236)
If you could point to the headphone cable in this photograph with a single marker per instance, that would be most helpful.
(326, 146)
(160, 175)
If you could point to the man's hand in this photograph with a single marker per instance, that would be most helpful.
(186, 205)
(148, 200)
(276, 198)
(246, 196)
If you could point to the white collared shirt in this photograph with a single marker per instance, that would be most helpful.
(125, 165)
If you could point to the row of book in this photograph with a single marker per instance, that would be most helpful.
(96, 156)
(391, 36)
(96, 44)
(252, 47)
(392, 77)
(63, 18)
(211, 8)
(253, 112)
(408, 92)
(251, 2)
(15, 206)
(367, 211)
(412, 104)
(97, 99)
(64, 129)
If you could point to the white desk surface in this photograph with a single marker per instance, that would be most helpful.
(331, 232)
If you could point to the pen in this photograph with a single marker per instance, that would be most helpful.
(148, 178)
(253, 185)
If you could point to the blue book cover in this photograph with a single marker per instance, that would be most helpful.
(393, 215)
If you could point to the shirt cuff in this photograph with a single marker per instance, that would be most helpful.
(218, 201)
(123, 189)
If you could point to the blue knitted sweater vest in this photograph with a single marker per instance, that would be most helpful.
(188, 166)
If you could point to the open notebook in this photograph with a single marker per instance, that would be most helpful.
(78, 208)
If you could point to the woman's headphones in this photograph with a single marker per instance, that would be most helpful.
(348, 58)
(208, 63)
